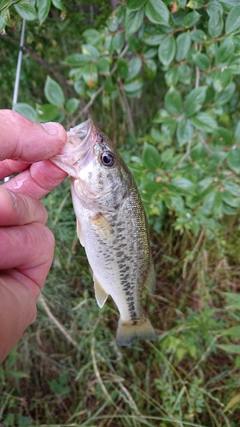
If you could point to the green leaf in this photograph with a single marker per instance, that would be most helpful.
(230, 200)
(215, 24)
(118, 42)
(90, 75)
(26, 11)
(135, 4)
(90, 51)
(223, 97)
(59, 5)
(191, 19)
(133, 20)
(166, 51)
(153, 40)
(233, 188)
(150, 68)
(178, 203)
(122, 68)
(43, 9)
(233, 159)
(53, 92)
(184, 131)
(198, 36)
(233, 20)
(150, 53)
(134, 66)
(4, 19)
(222, 79)
(6, 4)
(133, 87)
(204, 122)
(183, 184)
(213, 7)
(230, 348)
(26, 110)
(194, 4)
(113, 23)
(103, 65)
(209, 203)
(92, 36)
(157, 12)
(77, 59)
(171, 76)
(183, 46)
(225, 52)
(46, 112)
(233, 298)
(72, 105)
(222, 136)
(202, 61)
(234, 332)
(194, 100)
(151, 157)
(237, 133)
(173, 101)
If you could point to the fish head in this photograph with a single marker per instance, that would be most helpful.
(76, 149)
(92, 160)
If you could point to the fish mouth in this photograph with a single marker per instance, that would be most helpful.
(77, 149)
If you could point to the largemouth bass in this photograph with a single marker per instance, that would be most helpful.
(111, 225)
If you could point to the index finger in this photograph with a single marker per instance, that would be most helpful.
(23, 139)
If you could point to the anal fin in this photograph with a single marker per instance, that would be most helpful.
(100, 294)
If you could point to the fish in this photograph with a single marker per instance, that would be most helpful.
(111, 226)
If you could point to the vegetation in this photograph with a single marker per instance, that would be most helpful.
(161, 78)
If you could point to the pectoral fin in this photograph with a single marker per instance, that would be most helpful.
(79, 233)
(100, 294)
(102, 227)
(150, 282)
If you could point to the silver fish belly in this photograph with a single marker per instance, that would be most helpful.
(111, 225)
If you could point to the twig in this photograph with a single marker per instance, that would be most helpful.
(197, 79)
(125, 106)
(98, 376)
(57, 74)
(195, 249)
(57, 323)
(184, 156)
(100, 89)
(204, 143)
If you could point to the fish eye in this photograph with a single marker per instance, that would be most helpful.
(108, 159)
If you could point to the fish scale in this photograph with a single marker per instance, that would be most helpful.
(111, 225)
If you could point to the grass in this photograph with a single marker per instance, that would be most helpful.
(68, 371)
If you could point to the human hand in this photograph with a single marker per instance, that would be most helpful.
(26, 244)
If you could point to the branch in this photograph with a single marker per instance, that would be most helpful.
(56, 73)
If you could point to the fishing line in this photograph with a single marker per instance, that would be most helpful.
(19, 64)
(18, 73)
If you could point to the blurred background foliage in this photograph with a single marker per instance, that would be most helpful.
(161, 78)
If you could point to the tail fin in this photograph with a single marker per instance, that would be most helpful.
(128, 332)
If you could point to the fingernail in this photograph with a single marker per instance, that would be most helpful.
(51, 128)
(13, 197)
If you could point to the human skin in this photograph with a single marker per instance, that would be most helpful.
(26, 244)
